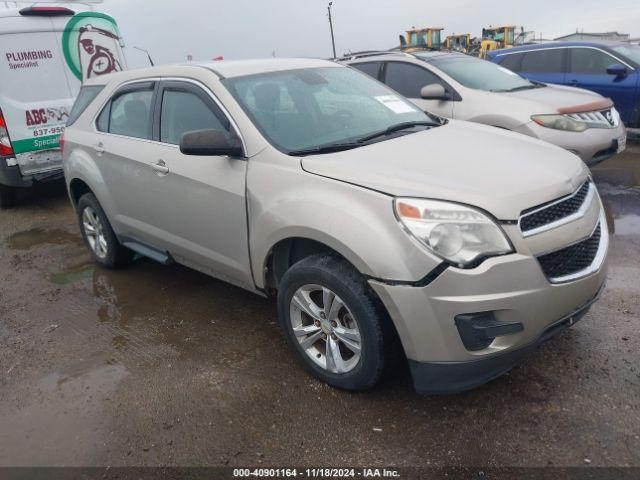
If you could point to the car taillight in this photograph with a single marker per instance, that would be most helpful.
(61, 141)
(6, 149)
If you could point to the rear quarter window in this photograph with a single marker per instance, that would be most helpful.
(84, 99)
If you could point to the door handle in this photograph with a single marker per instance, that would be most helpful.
(99, 148)
(160, 167)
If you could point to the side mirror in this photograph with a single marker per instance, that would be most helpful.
(210, 143)
(617, 70)
(434, 91)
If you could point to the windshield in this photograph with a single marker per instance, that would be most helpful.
(308, 108)
(481, 74)
(632, 52)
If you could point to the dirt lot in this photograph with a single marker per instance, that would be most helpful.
(161, 365)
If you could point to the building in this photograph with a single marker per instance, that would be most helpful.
(595, 37)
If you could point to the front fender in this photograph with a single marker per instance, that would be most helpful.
(357, 223)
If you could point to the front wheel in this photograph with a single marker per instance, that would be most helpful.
(335, 325)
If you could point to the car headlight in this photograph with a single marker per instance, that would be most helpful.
(459, 234)
(560, 122)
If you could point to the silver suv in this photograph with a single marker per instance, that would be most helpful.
(459, 246)
(454, 85)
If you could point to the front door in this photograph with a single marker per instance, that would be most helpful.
(588, 69)
(207, 193)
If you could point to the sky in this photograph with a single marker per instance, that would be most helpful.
(173, 29)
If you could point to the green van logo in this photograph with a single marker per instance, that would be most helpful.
(89, 44)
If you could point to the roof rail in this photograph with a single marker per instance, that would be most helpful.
(371, 53)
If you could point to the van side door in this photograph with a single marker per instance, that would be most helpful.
(207, 193)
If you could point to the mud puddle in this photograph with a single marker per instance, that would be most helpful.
(35, 237)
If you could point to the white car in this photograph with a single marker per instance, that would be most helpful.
(454, 85)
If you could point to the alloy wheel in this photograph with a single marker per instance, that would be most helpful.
(325, 328)
(94, 231)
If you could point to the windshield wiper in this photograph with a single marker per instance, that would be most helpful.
(395, 128)
(523, 87)
(329, 148)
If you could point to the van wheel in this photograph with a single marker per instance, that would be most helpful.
(337, 328)
(7, 197)
(99, 236)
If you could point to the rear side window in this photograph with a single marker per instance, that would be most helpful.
(408, 79)
(513, 62)
(544, 61)
(85, 97)
(590, 61)
(370, 68)
(128, 113)
(184, 111)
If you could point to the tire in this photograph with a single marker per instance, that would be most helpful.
(361, 311)
(102, 241)
(8, 197)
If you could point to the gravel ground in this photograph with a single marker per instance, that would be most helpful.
(159, 365)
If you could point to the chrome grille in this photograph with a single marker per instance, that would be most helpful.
(553, 214)
(608, 118)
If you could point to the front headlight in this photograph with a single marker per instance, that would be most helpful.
(459, 234)
(560, 122)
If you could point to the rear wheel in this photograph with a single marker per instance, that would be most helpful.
(99, 236)
(337, 328)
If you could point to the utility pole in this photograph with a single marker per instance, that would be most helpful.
(333, 40)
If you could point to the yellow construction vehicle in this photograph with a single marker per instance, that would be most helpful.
(421, 39)
(494, 38)
(458, 43)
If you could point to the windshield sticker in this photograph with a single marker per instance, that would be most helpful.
(395, 104)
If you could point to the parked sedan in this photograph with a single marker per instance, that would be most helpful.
(610, 69)
(380, 232)
(454, 85)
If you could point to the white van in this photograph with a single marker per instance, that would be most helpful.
(45, 54)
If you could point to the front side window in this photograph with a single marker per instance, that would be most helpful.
(184, 111)
(128, 113)
(544, 61)
(408, 79)
(307, 108)
(481, 74)
(590, 61)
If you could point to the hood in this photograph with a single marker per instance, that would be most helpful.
(556, 98)
(499, 171)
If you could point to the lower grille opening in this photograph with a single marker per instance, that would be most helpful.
(571, 259)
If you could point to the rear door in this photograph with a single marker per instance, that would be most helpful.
(206, 193)
(130, 163)
(588, 69)
(546, 65)
(408, 80)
